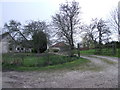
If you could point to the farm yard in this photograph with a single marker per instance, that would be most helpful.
(72, 49)
(57, 70)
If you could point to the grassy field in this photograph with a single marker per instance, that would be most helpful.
(40, 62)
(106, 52)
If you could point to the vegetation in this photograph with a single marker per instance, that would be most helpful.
(96, 33)
(67, 21)
(88, 52)
(106, 52)
(33, 35)
(80, 63)
(39, 42)
(35, 61)
(114, 20)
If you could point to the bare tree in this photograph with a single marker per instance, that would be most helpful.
(97, 32)
(66, 21)
(14, 29)
(103, 30)
(114, 20)
(34, 27)
(90, 35)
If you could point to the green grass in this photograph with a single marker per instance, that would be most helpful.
(88, 52)
(30, 62)
(106, 52)
(66, 66)
(35, 60)
(71, 65)
(79, 64)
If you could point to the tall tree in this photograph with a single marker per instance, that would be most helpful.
(115, 20)
(66, 22)
(34, 27)
(90, 35)
(103, 30)
(37, 31)
(13, 27)
(39, 41)
(15, 30)
(96, 33)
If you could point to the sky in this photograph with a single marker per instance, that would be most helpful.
(26, 10)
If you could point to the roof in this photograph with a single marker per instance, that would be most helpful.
(4, 35)
(23, 42)
(59, 44)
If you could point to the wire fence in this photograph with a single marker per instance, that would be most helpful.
(109, 49)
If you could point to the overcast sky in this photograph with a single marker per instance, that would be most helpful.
(25, 10)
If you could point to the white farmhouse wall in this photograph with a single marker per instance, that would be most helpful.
(5, 47)
(4, 44)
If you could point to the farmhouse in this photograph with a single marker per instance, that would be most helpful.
(9, 44)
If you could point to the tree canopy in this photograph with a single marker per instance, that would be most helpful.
(39, 42)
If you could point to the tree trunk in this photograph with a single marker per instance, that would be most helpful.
(100, 41)
(71, 37)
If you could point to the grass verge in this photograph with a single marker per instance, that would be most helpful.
(105, 53)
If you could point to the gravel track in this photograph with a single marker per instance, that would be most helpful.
(106, 78)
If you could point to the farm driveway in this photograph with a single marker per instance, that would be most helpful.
(107, 77)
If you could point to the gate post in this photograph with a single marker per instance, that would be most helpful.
(114, 48)
(78, 47)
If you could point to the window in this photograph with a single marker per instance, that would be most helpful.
(10, 49)
(21, 48)
(18, 48)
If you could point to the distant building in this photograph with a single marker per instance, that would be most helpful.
(60, 46)
(9, 44)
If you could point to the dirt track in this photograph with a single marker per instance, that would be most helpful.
(107, 77)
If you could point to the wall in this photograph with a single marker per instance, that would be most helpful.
(4, 44)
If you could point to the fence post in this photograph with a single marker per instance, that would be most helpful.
(78, 46)
(114, 48)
